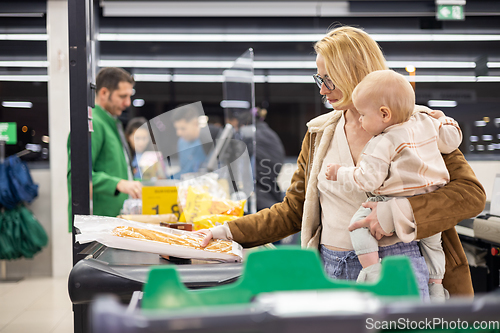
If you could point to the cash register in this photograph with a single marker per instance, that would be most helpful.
(481, 240)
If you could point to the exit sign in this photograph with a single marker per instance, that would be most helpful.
(8, 133)
(450, 12)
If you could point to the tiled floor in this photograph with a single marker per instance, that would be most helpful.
(36, 305)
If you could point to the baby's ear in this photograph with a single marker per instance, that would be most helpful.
(386, 113)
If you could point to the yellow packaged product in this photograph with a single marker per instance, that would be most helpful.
(199, 202)
(210, 221)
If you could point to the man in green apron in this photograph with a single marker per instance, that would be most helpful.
(112, 180)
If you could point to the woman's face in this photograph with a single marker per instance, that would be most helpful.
(332, 96)
(139, 140)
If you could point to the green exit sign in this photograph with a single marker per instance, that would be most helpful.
(450, 12)
(8, 133)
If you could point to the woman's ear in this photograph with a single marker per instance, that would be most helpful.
(386, 113)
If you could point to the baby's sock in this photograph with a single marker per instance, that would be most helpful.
(370, 273)
(437, 293)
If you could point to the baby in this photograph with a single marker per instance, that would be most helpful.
(402, 159)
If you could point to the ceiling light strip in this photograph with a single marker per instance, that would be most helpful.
(25, 78)
(488, 79)
(304, 64)
(441, 78)
(434, 37)
(257, 78)
(268, 64)
(24, 37)
(17, 104)
(431, 64)
(20, 63)
(113, 37)
(298, 78)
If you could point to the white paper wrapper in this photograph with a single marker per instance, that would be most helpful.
(99, 228)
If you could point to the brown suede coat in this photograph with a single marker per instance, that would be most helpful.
(438, 211)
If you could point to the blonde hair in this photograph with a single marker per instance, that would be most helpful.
(390, 89)
(350, 54)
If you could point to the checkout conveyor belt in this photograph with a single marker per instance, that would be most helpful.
(121, 272)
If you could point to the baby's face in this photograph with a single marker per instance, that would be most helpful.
(370, 116)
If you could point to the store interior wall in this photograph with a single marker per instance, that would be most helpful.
(51, 206)
(59, 124)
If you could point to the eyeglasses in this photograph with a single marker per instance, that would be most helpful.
(326, 81)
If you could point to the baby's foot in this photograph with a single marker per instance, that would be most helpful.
(437, 293)
(370, 273)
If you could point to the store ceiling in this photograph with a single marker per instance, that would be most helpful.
(278, 31)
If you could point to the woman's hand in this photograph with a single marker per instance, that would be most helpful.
(208, 236)
(370, 222)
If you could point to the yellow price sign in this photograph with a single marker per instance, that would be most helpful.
(159, 200)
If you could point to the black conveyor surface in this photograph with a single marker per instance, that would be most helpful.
(121, 272)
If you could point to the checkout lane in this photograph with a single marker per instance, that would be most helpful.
(121, 272)
(99, 269)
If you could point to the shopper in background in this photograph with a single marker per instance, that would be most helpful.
(344, 57)
(138, 140)
(269, 157)
(112, 180)
(189, 146)
(146, 163)
(192, 152)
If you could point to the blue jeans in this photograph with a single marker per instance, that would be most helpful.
(345, 265)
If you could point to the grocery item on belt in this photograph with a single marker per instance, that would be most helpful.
(210, 221)
(178, 225)
(207, 194)
(199, 203)
(155, 219)
(217, 245)
(145, 237)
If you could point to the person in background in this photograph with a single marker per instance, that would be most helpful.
(192, 153)
(269, 157)
(345, 56)
(138, 140)
(112, 180)
(147, 163)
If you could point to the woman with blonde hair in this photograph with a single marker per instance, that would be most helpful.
(322, 209)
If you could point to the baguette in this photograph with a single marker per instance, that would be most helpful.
(218, 245)
(153, 219)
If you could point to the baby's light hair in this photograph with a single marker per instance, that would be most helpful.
(350, 54)
(390, 89)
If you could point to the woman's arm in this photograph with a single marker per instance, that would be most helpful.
(462, 198)
(282, 219)
(270, 224)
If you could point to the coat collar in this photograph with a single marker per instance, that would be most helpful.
(319, 123)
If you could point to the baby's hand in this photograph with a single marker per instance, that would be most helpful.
(436, 114)
(331, 171)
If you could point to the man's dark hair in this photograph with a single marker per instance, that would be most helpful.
(186, 112)
(110, 77)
